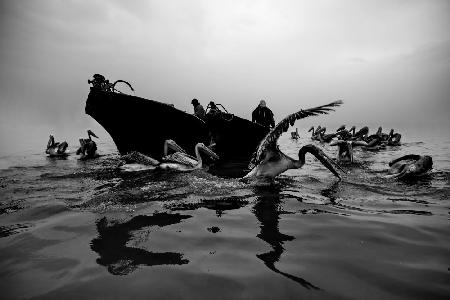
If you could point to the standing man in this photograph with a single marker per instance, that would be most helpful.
(263, 115)
(199, 111)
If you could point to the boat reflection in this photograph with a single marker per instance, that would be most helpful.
(120, 259)
(267, 211)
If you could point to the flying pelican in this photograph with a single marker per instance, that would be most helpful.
(268, 161)
(179, 160)
(88, 148)
(294, 134)
(345, 149)
(410, 165)
(55, 149)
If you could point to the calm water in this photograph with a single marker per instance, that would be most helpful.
(71, 229)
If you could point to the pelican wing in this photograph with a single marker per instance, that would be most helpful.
(270, 140)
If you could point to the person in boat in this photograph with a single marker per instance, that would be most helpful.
(199, 111)
(345, 149)
(410, 166)
(88, 148)
(56, 148)
(212, 109)
(268, 161)
(177, 160)
(263, 115)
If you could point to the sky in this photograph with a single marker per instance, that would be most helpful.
(388, 60)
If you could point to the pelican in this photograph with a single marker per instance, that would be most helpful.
(179, 160)
(375, 141)
(55, 149)
(315, 134)
(394, 138)
(345, 149)
(410, 165)
(88, 148)
(268, 161)
(326, 138)
(345, 134)
(361, 134)
(294, 134)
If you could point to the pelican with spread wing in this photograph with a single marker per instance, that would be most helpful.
(268, 161)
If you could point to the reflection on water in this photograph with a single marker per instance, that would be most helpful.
(111, 244)
(267, 211)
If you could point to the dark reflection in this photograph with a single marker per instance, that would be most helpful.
(332, 192)
(267, 211)
(220, 205)
(111, 244)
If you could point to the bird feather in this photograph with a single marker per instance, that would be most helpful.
(270, 140)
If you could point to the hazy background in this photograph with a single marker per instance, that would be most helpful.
(389, 60)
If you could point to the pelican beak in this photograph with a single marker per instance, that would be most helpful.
(91, 133)
(330, 164)
(175, 146)
(210, 152)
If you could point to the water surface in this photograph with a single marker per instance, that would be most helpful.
(84, 229)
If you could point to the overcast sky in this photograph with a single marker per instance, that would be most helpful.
(388, 60)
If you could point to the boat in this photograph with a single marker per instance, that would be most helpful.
(139, 124)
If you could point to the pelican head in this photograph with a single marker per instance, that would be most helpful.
(379, 131)
(207, 151)
(173, 145)
(321, 156)
(341, 128)
(90, 133)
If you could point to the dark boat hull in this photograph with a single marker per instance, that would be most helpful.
(138, 124)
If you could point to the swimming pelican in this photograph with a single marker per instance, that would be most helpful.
(410, 166)
(55, 149)
(268, 161)
(88, 148)
(315, 134)
(326, 138)
(345, 134)
(394, 138)
(361, 134)
(345, 149)
(294, 134)
(179, 160)
(342, 127)
(375, 141)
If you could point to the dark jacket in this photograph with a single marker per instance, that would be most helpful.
(199, 111)
(263, 116)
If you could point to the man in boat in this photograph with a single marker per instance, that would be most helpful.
(199, 111)
(263, 115)
(213, 109)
